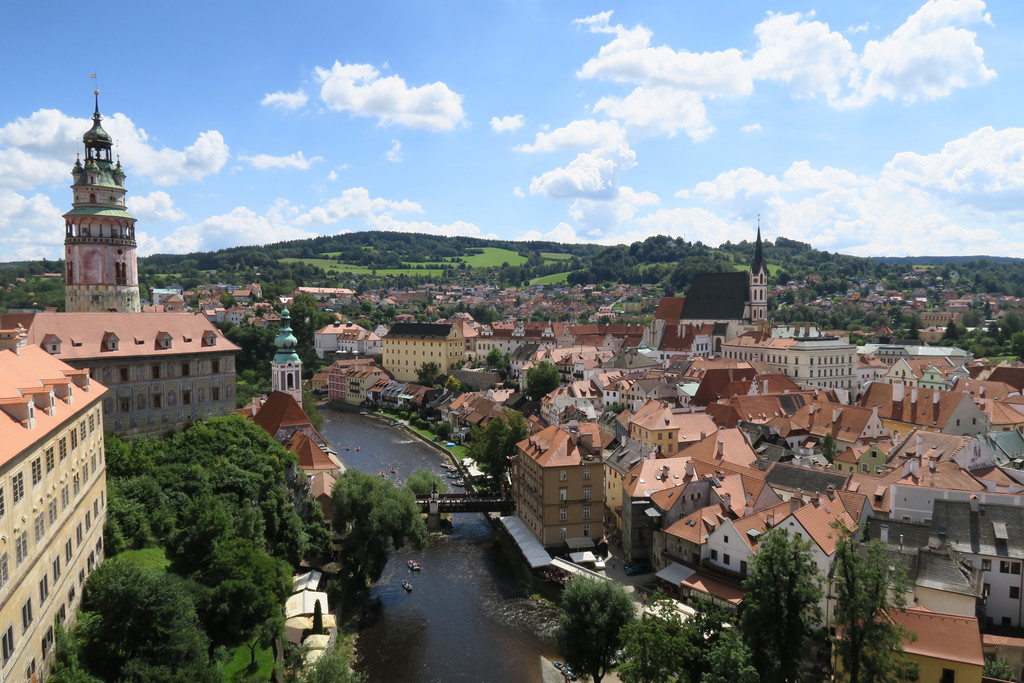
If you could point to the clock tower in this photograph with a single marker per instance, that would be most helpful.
(99, 233)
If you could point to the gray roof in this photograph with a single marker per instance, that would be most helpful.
(419, 331)
(717, 296)
(938, 569)
(803, 478)
(974, 532)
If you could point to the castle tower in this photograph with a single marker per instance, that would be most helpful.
(286, 370)
(99, 239)
(758, 284)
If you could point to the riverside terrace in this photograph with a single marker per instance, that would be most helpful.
(465, 502)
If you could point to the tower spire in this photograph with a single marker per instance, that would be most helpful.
(758, 262)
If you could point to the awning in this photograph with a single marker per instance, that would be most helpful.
(584, 556)
(580, 543)
(531, 548)
(304, 602)
(675, 573)
(715, 589)
(309, 581)
(568, 566)
(306, 623)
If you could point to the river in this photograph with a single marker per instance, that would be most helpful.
(469, 616)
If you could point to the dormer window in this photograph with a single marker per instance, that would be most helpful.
(163, 340)
(110, 341)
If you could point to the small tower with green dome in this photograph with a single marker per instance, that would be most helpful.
(99, 234)
(286, 370)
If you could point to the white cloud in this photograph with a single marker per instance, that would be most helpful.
(289, 101)
(751, 128)
(332, 176)
(518, 193)
(30, 227)
(986, 163)
(240, 226)
(294, 160)
(579, 135)
(354, 202)
(156, 206)
(507, 123)
(806, 55)
(925, 58)
(394, 155)
(361, 90)
(600, 218)
(660, 109)
(20, 170)
(458, 228)
(592, 175)
(562, 233)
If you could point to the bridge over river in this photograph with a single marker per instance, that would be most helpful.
(466, 502)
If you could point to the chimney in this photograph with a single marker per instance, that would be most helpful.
(769, 521)
(981, 391)
(884, 533)
(913, 395)
(815, 499)
(836, 413)
(935, 397)
(974, 503)
(931, 464)
(720, 451)
(796, 502)
(831, 491)
(765, 384)
(897, 393)
(727, 500)
(691, 471)
(919, 445)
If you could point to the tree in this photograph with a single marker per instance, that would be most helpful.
(655, 648)
(828, 447)
(499, 362)
(730, 661)
(453, 385)
(332, 667)
(592, 616)
(318, 619)
(999, 669)
(373, 516)
(492, 446)
(541, 379)
(422, 482)
(869, 645)
(783, 592)
(427, 373)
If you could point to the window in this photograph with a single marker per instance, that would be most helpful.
(215, 366)
(92, 423)
(986, 565)
(215, 394)
(1007, 567)
(81, 577)
(586, 473)
(47, 641)
(81, 431)
(154, 371)
(56, 569)
(123, 374)
(586, 512)
(68, 551)
(563, 514)
(8, 644)
(714, 555)
(184, 370)
(78, 535)
(18, 487)
(71, 596)
(586, 492)
(65, 497)
(586, 531)
(61, 615)
(85, 472)
(76, 484)
(726, 560)
(62, 446)
(52, 511)
(40, 527)
(74, 439)
(88, 520)
(1015, 592)
(125, 404)
(743, 567)
(563, 494)
(5, 569)
(563, 475)
(157, 400)
(948, 676)
(3, 507)
(563, 533)
(44, 588)
(21, 547)
(186, 397)
(26, 615)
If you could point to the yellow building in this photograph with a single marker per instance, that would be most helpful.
(52, 499)
(947, 647)
(668, 431)
(558, 486)
(407, 346)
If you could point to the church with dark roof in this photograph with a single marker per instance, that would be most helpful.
(730, 303)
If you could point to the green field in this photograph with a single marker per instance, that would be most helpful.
(335, 267)
(493, 256)
(553, 279)
(150, 558)
(237, 669)
(554, 256)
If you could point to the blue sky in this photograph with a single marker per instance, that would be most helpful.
(869, 128)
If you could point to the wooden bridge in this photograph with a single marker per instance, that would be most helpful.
(465, 502)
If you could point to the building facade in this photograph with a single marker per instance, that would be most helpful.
(407, 346)
(99, 234)
(52, 500)
(827, 362)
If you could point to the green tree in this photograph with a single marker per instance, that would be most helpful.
(999, 669)
(828, 447)
(140, 624)
(373, 516)
(655, 648)
(591, 618)
(453, 385)
(427, 374)
(541, 379)
(493, 445)
(499, 362)
(422, 482)
(781, 607)
(332, 667)
(307, 319)
(730, 661)
(318, 619)
(868, 586)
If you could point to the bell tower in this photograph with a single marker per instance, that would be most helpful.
(99, 233)
(758, 303)
(286, 370)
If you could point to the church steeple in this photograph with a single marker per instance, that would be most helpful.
(758, 299)
(286, 370)
(99, 233)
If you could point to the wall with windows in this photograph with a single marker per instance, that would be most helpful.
(52, 511)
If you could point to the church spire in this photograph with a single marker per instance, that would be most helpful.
(758, 262)
(286, 370)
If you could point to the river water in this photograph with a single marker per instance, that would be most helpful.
(468, 617)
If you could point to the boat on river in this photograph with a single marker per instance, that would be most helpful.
(407, 586)
(414, 565)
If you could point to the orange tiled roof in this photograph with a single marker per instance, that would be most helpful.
(948, 637)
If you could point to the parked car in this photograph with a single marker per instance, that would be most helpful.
(639, 567)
